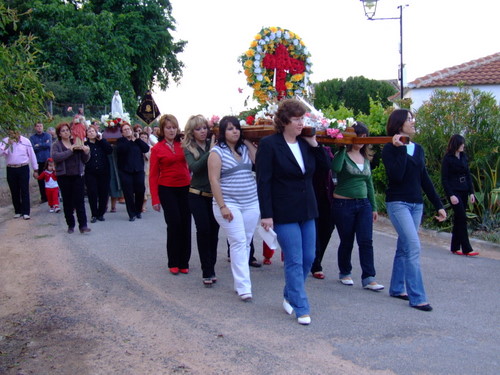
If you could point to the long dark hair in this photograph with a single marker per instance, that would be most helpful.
(396, 121)
(223, 124)
(454, 143)
(360, 129)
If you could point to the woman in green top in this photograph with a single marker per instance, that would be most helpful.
(354, 210)
(197, 145)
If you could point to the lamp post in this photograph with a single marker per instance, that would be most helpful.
(370, 7)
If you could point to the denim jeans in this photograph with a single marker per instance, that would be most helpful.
(297, 241)
(353, 217)
(405, 218)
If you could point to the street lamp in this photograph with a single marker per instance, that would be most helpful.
(370, 7)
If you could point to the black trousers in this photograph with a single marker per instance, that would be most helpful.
(460, 236)
(97, 191)
(73, 195)
(174, 201)
(18, 180)
(133, 188)
(207, 232)
(324, 229)
(41, 183)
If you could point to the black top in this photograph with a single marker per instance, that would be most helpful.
(99, 152)
(408, 176)
(129, 154)
(285, 193)
(455, 174)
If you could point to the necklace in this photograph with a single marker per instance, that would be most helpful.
(171, 146)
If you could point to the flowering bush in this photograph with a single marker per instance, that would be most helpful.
(276, 64)
(114, 119)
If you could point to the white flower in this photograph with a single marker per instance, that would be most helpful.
(257, 57)
(256, 63)
(243, 122)
(260, 77)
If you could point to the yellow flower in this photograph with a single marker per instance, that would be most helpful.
(249, 80)
(273, 29)
(250, 53)
(302, 43)
(248, 64)
(267, 79)
(297, 77)
(257, 86)
(291, 34)
(253, 44)
(258, 37)
(248, 73)
(289, 85)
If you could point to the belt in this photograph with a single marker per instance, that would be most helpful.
(199, 192)
(17, 165)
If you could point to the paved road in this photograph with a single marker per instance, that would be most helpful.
(353, 330)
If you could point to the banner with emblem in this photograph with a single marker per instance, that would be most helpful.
(148, 110)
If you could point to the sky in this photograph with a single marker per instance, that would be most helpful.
(342, 42)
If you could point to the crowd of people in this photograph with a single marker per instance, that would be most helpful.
(284, 184)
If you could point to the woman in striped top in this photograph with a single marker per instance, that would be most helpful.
(235, 204)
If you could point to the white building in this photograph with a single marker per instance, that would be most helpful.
(482, 74)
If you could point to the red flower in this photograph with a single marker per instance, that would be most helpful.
(250, 120)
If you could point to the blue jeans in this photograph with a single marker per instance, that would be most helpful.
(353, 217)
(405, 218)
(297, 241)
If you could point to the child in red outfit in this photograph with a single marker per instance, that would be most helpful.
(51, 186)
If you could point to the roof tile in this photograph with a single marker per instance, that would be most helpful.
(483, 71)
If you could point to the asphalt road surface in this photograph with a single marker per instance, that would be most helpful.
(353, 331)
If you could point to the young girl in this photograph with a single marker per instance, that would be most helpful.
(51, 186)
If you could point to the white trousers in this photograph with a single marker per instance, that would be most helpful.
(239, 232)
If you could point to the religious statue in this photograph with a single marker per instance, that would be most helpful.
(78, 130)
(117, 104)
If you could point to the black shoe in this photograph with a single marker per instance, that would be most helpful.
(132, 218)
(84, 230)
(71, 230)
(139, 216)
(93, 220)
(423, 307)
(255, 264)
(100, 218)
(404, 297)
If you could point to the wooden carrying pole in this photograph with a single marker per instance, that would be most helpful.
(255, 132)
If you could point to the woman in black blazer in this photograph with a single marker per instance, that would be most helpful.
(130, 163)
(457, 184)
(285, 164)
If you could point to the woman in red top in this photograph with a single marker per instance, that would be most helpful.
(169, 181)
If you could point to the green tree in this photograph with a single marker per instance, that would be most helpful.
(93, 47)
(328, 93)
(354, 93)
(22, 95)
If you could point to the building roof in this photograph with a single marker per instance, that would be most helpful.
(483, 71)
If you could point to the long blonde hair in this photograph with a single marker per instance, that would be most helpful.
(189, 143)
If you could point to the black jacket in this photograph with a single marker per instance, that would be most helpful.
(129, 154)
(455, 175)
(285, 193)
